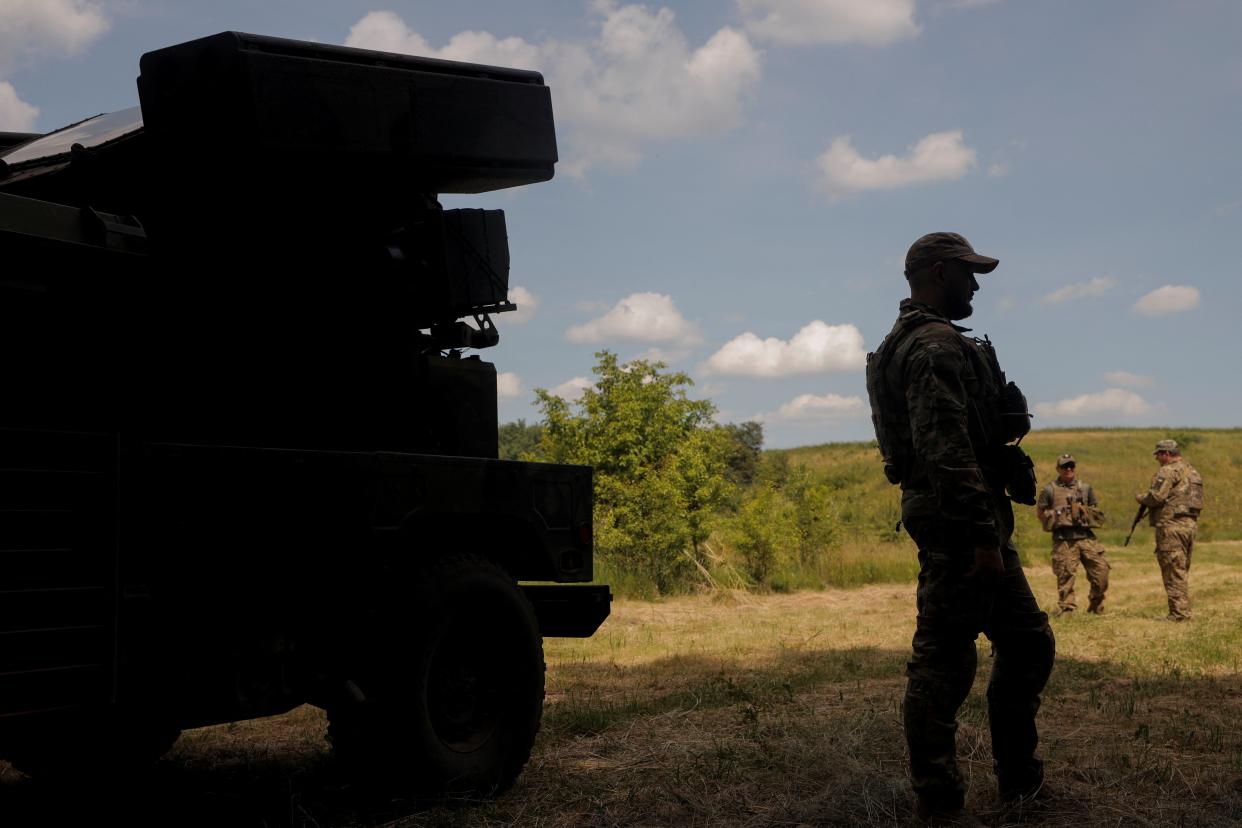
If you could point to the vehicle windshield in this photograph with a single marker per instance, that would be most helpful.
(90, 133)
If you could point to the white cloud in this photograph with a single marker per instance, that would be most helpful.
(527, 305)
(664, 355)
(998, 169)
(818, 347)
(1007, 303)
(639, 81)
(806, 22)
(508, 385)
(941, 156)
(571, 389)
(1096, 287)
(1129, 380)
(967, 4)
(812, 408)
(15, 114)
(1109, 403)
(34, 29)
(639, 317)
(1168, 299)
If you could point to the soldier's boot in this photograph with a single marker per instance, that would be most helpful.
(1096, 605)
(930, 717)
(1020, 670)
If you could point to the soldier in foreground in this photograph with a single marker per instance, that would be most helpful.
(944, 417)
(1068, 508)
(1174, 502)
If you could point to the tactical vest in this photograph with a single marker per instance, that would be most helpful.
(1070, 508)
(1187, 495)
(997, 409)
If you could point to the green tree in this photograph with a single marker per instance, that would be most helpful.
(659, 468)
(761, 532)
(743, 449)
(519, 441)
(811, 513)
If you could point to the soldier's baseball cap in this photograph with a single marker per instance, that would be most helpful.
(1066, 460)
(939, 247)
(1167, 445)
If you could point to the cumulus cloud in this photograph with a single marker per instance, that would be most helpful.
(1095, 287)
(665, 355)
(34, 29)
(813, 408)
(639, 81)
(508, 385)
(1128, 380)
(807, 22)
(639, 317)
(1109, 403)
(1168, 299)
(526, 302)
(570, 390)
(818, 347)
(15, 114)
(941, 156)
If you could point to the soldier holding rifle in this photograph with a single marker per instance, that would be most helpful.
(1173, 503)
(1067, 508)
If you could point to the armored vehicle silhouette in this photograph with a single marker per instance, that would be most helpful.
(244, 464)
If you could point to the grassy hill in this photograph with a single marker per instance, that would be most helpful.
(1116, 462)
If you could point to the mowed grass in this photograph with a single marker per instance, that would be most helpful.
(738, 709)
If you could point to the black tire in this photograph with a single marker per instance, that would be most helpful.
(453, 701)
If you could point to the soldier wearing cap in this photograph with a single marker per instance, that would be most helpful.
(1067, 508)
(945, 421)
(1174, 502)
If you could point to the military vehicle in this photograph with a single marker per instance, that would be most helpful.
(244, 462)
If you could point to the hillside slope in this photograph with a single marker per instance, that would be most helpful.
(1116, 462)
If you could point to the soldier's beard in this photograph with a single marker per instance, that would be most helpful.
(960, 309)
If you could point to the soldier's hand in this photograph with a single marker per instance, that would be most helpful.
(987, 560)
(1138, 498)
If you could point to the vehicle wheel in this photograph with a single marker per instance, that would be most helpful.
(454, 707)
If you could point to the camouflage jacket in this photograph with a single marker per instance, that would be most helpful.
(931, 390)
(1176, 491)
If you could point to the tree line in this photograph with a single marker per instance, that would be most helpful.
(681, 501)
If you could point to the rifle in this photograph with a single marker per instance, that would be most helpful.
(1142, 510)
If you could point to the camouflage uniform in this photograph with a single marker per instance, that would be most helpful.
(1174, 507)
(1072, 541)
(934, 396)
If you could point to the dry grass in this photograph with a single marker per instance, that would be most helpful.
(739, 710)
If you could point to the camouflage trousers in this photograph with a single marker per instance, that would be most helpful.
(1175, 541)
(1066, 555)
(953, 608)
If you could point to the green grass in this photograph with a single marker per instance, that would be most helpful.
(736, 709)
(1116, 462)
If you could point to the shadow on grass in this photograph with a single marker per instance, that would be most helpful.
(1162, 747)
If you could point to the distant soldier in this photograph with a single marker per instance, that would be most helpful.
(1174, 502)
(944, 419)
(1068, 509)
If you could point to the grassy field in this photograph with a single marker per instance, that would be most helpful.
(1116, 462)
(737, 709)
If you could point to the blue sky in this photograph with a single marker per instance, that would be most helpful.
(739, 181)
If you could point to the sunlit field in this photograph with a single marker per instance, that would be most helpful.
(743, 709)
